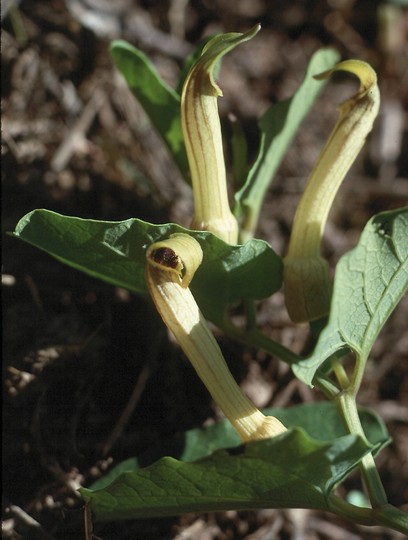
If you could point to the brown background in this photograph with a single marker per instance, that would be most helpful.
(76, 350)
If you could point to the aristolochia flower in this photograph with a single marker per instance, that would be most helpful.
(170, 267)
(202, 135)
(306, 272)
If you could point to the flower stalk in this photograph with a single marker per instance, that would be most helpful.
(170, 267)
(306, 273)
(203, 139)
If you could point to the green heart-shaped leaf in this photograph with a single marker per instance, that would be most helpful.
(116, 252)
(320, 421)
(370, 281)
(288, 471)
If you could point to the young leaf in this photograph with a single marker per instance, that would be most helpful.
(288, 471)
(160, 102)
(116, 252)
(278, 127)
(320, 421)
(370, 281)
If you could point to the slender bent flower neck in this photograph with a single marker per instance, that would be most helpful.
(202, 135)
(170, 267)
(306, 273)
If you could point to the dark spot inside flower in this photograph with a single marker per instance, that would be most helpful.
(165, 257)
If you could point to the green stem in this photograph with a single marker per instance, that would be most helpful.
(389, 516)
(346, 510)
(239, 150)
(256, 338)
(347, 408)
(250, 311)
(340, 373)
(329, 389)
(386, 515)
(361, 361)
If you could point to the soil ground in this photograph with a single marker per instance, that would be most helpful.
(75, 349)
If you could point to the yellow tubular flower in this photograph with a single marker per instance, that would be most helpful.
(306, 272)
(202, 135)
(170, 267)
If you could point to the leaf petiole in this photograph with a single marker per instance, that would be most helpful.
(347, 408)
(386, 515)
(254, 337)
(340, 373)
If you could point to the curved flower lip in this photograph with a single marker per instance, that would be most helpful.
(203, 139)
(306, 272)
(180, 255)
(166, 273)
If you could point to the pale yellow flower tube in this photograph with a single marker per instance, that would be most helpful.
(170, 267)
(306, 273)
(201, 127)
